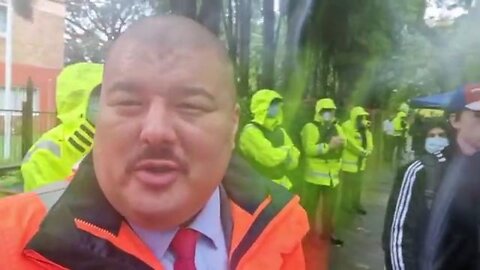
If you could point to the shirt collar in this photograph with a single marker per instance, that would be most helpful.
(207, 223)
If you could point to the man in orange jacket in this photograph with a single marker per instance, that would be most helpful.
(161, 189)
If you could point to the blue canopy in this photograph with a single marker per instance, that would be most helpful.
(438, 101)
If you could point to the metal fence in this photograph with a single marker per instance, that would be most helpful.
(21, 132)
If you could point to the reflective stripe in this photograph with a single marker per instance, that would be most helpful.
(89, 132)
(82, 138)
(76, 145)
(50, 194)
(331, 160)
(349, 162)
(45, 145)
(284, 182)
(319, 174)
(401, 209)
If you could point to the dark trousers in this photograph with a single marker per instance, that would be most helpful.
(352, 186)
(388, 147)
(399, 144)
(388, 261)
(320, 202)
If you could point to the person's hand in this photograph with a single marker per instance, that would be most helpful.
(288, 158)
(366, 153)
(336, 142)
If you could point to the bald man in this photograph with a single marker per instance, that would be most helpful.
(162, 188)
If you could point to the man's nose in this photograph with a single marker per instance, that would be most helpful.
(158, 126)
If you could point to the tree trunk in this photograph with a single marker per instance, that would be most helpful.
(27, 119)
(289, 41)
(187, 8)
(268, 68)
(244, 18)
(296, 15)
(230, 32)
(211, 15)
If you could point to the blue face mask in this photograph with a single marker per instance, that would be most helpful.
(274, 110)
(436, 144)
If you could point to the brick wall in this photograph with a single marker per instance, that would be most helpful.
(38, 50)
(39, 42)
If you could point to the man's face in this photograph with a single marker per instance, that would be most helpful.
(165, 133)
(468, 130)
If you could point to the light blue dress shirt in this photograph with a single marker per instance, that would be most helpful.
(211, 252)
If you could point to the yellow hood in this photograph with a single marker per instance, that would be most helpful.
(324, 103)
(356, 112)
(260, 103)
(74, 85)
(401, 115)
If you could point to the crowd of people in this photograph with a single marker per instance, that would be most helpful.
(146, 171)
(329, 153)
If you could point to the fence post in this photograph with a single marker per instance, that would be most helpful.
(27, 119)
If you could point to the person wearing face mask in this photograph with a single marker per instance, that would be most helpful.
(452, 238)
(400, 131)
(53, 157)
(412, 197)
(354, 159)
(322, 141)
(265, 143)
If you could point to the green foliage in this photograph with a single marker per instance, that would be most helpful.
(356, 51)
(92, 25)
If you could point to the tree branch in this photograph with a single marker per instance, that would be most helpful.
(78, 25)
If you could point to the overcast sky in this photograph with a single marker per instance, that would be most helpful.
(442, 13)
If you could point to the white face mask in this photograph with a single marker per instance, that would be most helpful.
(436, 144)
(327, 116)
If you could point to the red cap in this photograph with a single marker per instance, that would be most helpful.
(472, 97)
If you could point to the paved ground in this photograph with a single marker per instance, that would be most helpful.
(362, 235)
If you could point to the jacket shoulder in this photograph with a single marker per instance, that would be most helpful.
(346, 124)
(24, 212)
(309, 124)
(288, 228)
(54, 134)
(21, 217)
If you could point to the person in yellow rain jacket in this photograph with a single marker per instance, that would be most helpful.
(400, 130)
(57, 151)
(264, 143)
(354, 158)
(322, 142)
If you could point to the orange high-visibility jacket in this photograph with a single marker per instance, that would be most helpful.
(74, 226)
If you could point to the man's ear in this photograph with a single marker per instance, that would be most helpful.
(454, 120)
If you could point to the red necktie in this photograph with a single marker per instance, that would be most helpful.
(183, 246)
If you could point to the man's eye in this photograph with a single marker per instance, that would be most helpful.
(128, 103)
(193, 107)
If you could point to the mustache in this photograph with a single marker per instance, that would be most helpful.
(156, 153)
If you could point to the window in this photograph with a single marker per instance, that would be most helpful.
(3, 18)
(18, 96)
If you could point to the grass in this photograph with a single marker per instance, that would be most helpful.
(15, 151)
